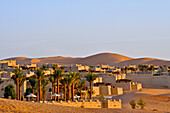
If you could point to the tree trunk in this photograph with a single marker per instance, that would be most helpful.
(17, 89)
(64, 93)
(69, 92)
(80, 94)
(53, 85)
(20, 93)
(53, 89)
(58, 89)
(90, 89)
(73, 92)
(37, 94)
(40, 94)
(32, 93)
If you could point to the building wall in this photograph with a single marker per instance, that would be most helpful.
(105, 90)
(116, 91)
(147, 79)
(136, 86)
(120, 76)
(125, 86)
(109, 79)
(96, 91)
(5, 74)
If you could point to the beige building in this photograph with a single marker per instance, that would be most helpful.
(129, 85)
(8, 64)
(107, 90)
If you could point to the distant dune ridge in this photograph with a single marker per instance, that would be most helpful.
(101, 58)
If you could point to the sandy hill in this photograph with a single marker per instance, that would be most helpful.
(138, 61)
(102, 58)
(135, 61)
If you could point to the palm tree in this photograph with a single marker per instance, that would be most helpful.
(69, 81)
(37, 89)
(39, 76)
(90, 77)
(33, 83)
(44, 83)
(55, 66)
(161, 67)
(64, 83)
(81, 85)
(58, 73)
(146, 68)
(17, 77)
(132, 69)
(126, 68)
(75, 78)
(21, 82)
(152, 68)
(141, 67)
(53, 81)
(44, 67)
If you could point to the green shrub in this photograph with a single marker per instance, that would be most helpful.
(133, 104)
(142, 103)
(102, 97)
(10, 91)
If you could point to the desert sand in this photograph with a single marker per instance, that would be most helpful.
(102, 58)
(156, 98)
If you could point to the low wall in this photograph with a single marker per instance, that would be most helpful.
(112, 104)
(92, 104)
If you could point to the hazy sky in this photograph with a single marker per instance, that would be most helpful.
(35, 28)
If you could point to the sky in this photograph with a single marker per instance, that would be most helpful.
(79, 28)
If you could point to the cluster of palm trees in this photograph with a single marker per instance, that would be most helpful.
(38, 82)
(145, 68)
(19, 80)
(129, 68)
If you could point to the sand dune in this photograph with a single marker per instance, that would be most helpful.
(102, 58)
